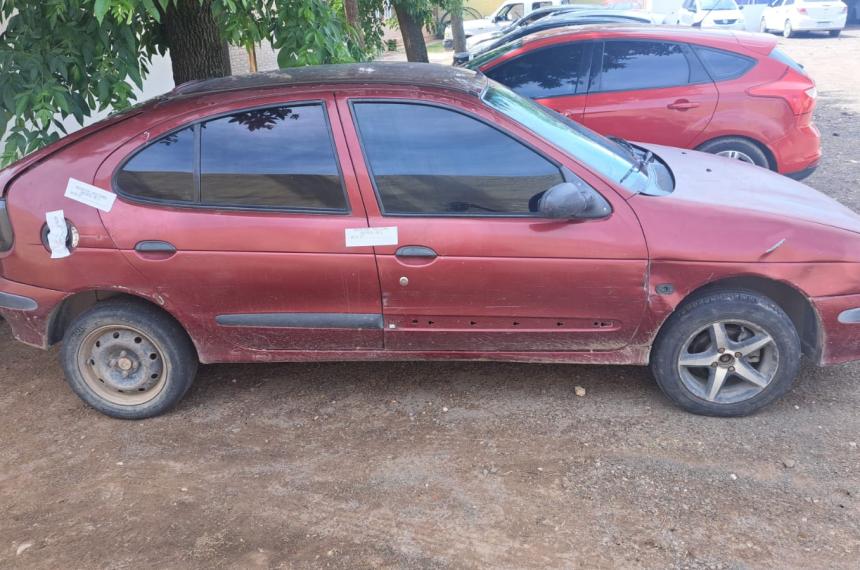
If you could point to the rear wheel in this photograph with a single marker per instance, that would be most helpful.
(727, 353)
(787, 30)
(835, 33)
(128, 360)
(737, 148)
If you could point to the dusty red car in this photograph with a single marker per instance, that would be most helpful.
(729, 93)
(403, 211)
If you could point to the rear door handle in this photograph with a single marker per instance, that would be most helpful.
(155, 248)
(682, 105)
(415, 251)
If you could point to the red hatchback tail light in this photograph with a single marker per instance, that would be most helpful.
(794, 88)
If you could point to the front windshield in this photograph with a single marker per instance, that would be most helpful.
(602, 155)
(718, 5)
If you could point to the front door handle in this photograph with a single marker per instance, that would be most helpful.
(415, 251)
(682, 105)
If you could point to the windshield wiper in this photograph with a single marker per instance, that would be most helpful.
(627, 146)
(640, 165)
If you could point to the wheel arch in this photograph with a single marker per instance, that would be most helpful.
(768, 153)
(74, 305)
(794, 302)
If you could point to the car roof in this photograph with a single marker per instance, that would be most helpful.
(729, 39)
(373, 73)
(576, 14)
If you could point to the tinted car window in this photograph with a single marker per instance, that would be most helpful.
(629, 65)
(547, 72)
(275, 157)
(163, 170)
(429, 160)
(722, 64)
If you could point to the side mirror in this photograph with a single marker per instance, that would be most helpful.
(572, 201)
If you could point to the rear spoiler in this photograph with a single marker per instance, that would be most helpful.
(20, 166)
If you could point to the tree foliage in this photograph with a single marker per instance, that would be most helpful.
(73, 57)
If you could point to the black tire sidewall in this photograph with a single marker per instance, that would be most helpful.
(727, 305)
(745, 146)
(172, 339)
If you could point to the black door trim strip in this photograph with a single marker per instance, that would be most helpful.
(302, 320)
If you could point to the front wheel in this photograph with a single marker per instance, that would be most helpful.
(763, 26)
(787, 30)
(727, 353)
(128, 360)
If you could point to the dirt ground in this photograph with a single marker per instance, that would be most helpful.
(455, 465)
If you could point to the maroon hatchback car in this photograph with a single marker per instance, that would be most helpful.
(408, 211)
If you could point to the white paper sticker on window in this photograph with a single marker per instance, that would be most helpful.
(363, 237)
(58, 232)
(90, 195)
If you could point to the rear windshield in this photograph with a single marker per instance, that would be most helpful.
(782, 57)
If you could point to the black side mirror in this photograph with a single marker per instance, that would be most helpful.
(573, 201)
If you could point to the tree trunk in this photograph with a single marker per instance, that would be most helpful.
(196, 48)
(457, 28)
(413, 35)
(350, 8)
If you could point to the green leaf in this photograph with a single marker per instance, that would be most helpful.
(100, 9)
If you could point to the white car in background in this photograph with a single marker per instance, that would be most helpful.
(791, 16)
(506, 14)
(721, 14)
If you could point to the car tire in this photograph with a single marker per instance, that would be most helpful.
(763, 26)
(686, 378)
(835, 33)
(737, 148)
(787, 31)
(128, 360)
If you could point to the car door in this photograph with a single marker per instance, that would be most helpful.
(237, 218)
(650, 91)
(464, 262)
(555, 76)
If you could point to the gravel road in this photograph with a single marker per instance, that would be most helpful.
(443, 465)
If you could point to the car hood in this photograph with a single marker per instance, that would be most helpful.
(473, 27)
(726, 209)
(721, 15)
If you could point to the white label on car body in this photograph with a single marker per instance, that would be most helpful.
(363, 237)
(58, 232)
(90, 195)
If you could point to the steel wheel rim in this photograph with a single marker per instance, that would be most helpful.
(728, 361)
(736, 155)
(123, 365)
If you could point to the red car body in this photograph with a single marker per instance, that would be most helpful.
(770, 103)
(498, 288)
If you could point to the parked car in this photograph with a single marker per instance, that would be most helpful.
(533, 16)
(723, 14)
(735, 95)
(391, 211)
(565, 19)
(792, 16)
(506, 14)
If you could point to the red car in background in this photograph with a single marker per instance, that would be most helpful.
(729, 93)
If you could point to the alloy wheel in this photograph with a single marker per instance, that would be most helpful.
(727, 362)
(737, 155)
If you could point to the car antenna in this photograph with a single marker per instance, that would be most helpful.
(705, 17)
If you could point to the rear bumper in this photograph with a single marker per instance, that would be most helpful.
(801, 174)
(28, 310)
(840, 328)
(810, 24)
(799, 150)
